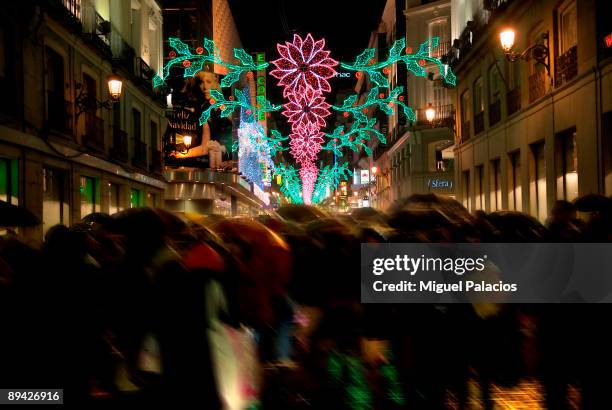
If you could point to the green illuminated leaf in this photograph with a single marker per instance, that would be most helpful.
(194, 68)
(230, 78)
(363, 58)
(244, 57)
(210, 47)
(379, 79)
(158, 81)
(180, 47)
(397, 49)
(216, 94)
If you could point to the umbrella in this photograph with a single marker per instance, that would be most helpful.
(300, 213)
(593, 203)
(13, 215)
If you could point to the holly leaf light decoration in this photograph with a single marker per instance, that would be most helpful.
(194, 60)
(414, 62)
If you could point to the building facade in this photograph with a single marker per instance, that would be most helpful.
(66, 150)
(532, 132)
(417, 157)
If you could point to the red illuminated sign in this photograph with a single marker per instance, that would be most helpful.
(608, 40)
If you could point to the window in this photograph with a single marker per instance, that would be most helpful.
(479, 184)
(153, 131)
(566, 165)
(495, 87)
(495, 185)
(136, 125)
(466, 115)
(135, 198)
(537, 184)
(114, 198)
(465, 191)
(9, 180)
(478, 97)
(514, 75)
(439, 28)
(478, 106)
(495, 84)
(514, 181)
(567, 28)
(56, 193)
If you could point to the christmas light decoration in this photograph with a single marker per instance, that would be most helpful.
(414, 62)
(308, 175)
(306, 107)
(291, 186)
(374, 99)
(329, 177)
(355, 138)
(194, 63)
(303, 63)
(228, 106)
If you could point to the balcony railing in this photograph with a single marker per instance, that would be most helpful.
(156, 161)
(537, 85)
(442, 49)
(122, 52)
(59, 113)
(143, 73)
(140, 154)
(444, 116)
(494, 112)
(119, 150)
(73, 7)
(94, 132)
(465, 131)
(478, 123)
(566, 66)
(513, 100)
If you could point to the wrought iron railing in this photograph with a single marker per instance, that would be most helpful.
(537, 85)
(494, 112)
(140, 154)
(94, 132)
(59, 113)
(465, 131)
(479, 123)
(156, 161)
(513, 100)
(119, 150)
(566, 66)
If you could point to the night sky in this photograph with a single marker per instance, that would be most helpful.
(346, 25)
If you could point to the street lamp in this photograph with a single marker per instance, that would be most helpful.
(374, 170)
(430, 113)
(114, 86)
(539, 51)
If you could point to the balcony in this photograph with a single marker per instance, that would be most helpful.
(97, 31)
(93, 137)
(465, 131)
(494, 112)
(123, 54)
(442, 49)
(566, 66)
(119, 150)
(479, 123)
(537, 86)
(143, 74)
(513, 100)
(140, 154)
(156, 161)
(59, 113)
(444, 117)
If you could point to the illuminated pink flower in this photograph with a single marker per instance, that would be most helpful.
(306, 143)
(304, 63)
(306, 106)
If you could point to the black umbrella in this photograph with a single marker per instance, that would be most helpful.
(13, 215)
(593, 202)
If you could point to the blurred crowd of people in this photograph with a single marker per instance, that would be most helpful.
(147, 307)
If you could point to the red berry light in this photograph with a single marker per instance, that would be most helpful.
(358, 74)
(345, 114)
(199, 50)
(186, 63)
(172, 54)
